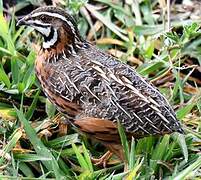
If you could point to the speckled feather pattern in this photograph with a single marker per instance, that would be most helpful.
(105, 88)
(93, 89)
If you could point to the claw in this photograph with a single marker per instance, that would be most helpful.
(102, 161)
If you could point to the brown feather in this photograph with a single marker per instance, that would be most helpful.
(100, 129)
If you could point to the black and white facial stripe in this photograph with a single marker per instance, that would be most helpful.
(51, 39)
(55, 15)
(49, 33)
(44, 22)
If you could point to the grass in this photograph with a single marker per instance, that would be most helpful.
(35, 143)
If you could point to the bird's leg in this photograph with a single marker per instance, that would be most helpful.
(117, 149)
(104, 131)
(126, 167)
(102, 161)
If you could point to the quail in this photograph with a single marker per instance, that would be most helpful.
(93, 89)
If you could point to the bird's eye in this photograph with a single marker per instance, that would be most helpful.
(43, 18)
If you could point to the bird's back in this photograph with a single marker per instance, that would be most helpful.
(103, 87)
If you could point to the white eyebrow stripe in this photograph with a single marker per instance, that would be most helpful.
(51, 15)
(38, 22)
(57, 16)
(45, 31)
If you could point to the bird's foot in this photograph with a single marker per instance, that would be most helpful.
(102, 161)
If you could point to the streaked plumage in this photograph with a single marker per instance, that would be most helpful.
(93, 89)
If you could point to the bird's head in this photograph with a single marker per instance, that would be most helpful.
(54, 24)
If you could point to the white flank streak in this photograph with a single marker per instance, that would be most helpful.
(68, 79)
(116, 79)
(137, 117)
(97, 63)
(149, 85)
(104, 77)
(153, 101)
(117, 104)
(126, 80)
(137, 92)
(155, 108)
(162, 117)
(98, 69)
(111, 90)
(55, 15)
(101, 72)
(92, 93)
(149, 120)
(52, 41)
(149, 98)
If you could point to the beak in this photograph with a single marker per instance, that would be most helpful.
(23, 21)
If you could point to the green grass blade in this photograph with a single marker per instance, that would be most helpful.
(180, 138)
(159, 152)
(182, 112)
(50, 108)
(189, 170)
(15, 70)
(4, 33)
(63, 141)
(39, 147)
(123, 141)
(80, 158)
(29, 78)
(132, 154)
(26, 170)
(153, 67)
(1, 8)
(4, 78)
(12, 143)
(30, 157)
(109, 24)
(133, 174)
(87, 158)
(32, 108)
(6, 51)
